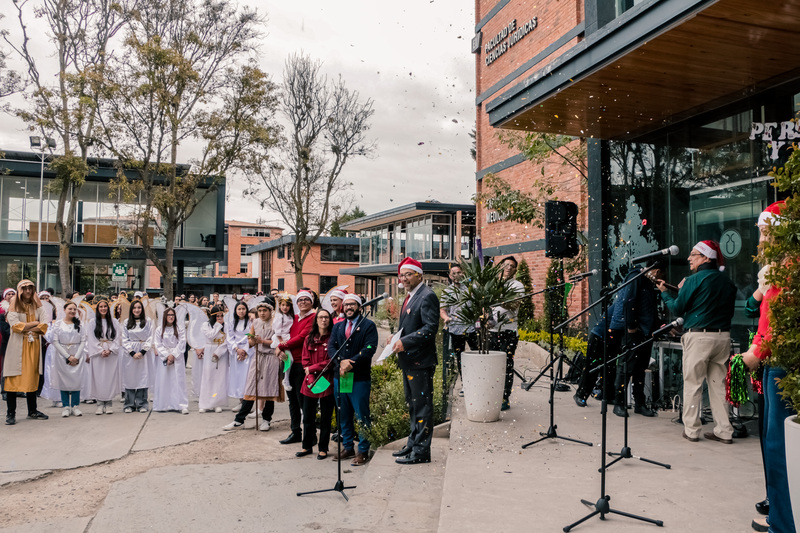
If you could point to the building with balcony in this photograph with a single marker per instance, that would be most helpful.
(434, 233)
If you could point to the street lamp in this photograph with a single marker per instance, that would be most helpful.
(49, 143)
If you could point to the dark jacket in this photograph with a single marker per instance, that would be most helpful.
(420, 322)
(360, 347)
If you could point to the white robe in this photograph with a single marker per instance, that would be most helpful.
(170, 386)
(213, 385)
(104, 381)
(238, 369)
(65, 341)
(136, 372)
(48, 391)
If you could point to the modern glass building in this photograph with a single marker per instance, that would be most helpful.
(102, 226)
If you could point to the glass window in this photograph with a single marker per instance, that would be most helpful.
(201, 227)
(88, 212)
(441, 237)
(281, 253)
(399, 242)
(326, 283)
(243, 268)
(243, 248)
(281, 284)
(418, 240)
(341, 253)
(12, 209)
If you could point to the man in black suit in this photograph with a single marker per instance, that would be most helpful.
(416, 356)
(357, 337)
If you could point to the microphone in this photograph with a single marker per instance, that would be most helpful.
(578, 277)
(674, 324)
(375, 300)
(672, 250)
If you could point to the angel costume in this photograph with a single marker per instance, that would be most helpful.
(170, 393)
(213, 389)
(136, 372)
(66, 341)
(49, 392)
(236, 338)
(104, 379)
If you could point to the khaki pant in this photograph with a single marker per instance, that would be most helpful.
(705, 356)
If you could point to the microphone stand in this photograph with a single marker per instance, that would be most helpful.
(339, 485)
(551, 432)
(602, 506)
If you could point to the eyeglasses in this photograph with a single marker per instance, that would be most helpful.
(406, 274)
(694, 254)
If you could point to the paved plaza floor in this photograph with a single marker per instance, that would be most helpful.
(171, 472)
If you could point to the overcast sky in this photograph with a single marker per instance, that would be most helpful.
(412, 58)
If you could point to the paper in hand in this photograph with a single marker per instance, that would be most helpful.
(388, 350)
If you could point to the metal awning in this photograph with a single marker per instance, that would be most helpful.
(661, 62)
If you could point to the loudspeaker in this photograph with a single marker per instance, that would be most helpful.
(561, 229)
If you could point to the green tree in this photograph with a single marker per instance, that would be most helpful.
(184, 77)
(347, 216)
(77, 34)
(327, 125)
(10, 81)
(526, 308)
(554, 308)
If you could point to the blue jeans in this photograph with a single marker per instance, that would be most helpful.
(350, 403)
(776, 410)
(67, 395)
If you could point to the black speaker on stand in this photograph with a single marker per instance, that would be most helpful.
(561, 229)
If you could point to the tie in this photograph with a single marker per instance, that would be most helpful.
(349, 329)
(403, 309)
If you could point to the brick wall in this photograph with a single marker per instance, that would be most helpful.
(313, 268)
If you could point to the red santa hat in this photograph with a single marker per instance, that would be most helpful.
(338, 293)
(305, 294)
(352, 298)
(772, 214)
(411, 264)
(12, 291)
(711, 250)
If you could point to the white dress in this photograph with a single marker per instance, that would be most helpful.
(170, 387)
(66, 341)
(104, 381)
(237, 338)
(213, 388)
(49, 392)
(136, 372)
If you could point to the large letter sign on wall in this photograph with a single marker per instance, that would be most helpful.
(787, 131)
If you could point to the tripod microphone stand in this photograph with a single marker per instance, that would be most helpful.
(602, 506)
(339, 485)
(551, 432)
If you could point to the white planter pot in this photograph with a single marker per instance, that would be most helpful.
(483, 376)
(792, 436)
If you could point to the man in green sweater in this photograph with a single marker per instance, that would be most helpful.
(706, 303)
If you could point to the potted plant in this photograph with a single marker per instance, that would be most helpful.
(782, 252)
(483, 371)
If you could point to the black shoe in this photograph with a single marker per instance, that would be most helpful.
(620, 411)
(402, 452)
(562, 387)
(578, 400)
(11, 420)
(303, 453)
(763, 507)
(643, 410)
(335, 437)
(38, 415)
(292, 438)
(413, 459)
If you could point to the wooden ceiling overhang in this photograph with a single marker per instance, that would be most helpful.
(665, 62)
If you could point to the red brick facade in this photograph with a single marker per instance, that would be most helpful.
(313, 269)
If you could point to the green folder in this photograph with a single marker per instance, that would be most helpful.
(346, 383)
(288, 363)
(321, 385)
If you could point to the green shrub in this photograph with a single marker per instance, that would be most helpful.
(526, 309)
(542, 338)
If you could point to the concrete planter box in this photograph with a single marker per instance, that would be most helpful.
(791, 428)
(484, 377)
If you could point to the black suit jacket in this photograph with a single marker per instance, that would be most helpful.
(360, 347)
(420, 322)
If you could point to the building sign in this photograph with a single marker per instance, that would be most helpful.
(119, 272)
(510, 35)
(494, 216)
(730, 243)
(776, 134)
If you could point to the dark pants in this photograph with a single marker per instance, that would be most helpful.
(593, 369)
(632, 365)
(11, 401)
(775, 413)
(506, 341)
(418, 388)
(247, 406)
(761, 412)
(459, 344)
(135, 398)
(326, 404)
(350, 404)
(296, 376)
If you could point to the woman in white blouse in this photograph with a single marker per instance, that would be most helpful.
(213, 389)
(170, 342)
(68, 340)
(103, 344)
(137, 343)
(237, 328)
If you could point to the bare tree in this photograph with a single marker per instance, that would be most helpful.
(79, 33)
(10, 81)
(327, 125)
(182, 79)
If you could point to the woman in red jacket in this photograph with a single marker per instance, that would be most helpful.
(315, 357)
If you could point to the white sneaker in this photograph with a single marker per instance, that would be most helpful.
(286, 386)
(109, 410)
(201, 410)
(252, 414)
(218, 409)
(100, 409)
(184, 411)
(127, 410)
(264, 425)
(188, 367)
(143, 409)
(76, 412)
(237, 408)
(232, 425)
(65, 412)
